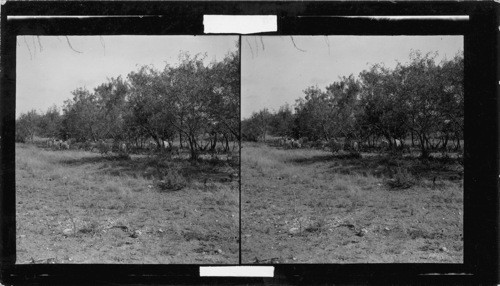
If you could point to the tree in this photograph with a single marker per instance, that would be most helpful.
(81, 117)
(451, 102)
(383, 113)
(111, 102)
(27, 126)
(282, 123)
(150, 105)
(420, 91)
(343, 104)
(191, 87)
(224, 105)
(312, 115)
(50, 123)
(421, 98)
(330, 114)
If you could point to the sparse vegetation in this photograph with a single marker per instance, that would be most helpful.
(309, 206)
(140, 169)
(367, 169)
(402, 180)
(79, 207)
(419, 104)
(191, 102)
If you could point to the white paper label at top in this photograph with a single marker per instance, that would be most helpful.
(239, 24)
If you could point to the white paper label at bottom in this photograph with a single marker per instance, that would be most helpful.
(236, 271)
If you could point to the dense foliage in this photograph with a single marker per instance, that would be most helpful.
(191, 102)
(422, 100)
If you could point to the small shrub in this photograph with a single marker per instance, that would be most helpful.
(233, 160)
(104, 148)
(115, 173)
(197, 235)
(214, 160)
(93, 227)
(389, 161)
(112, 188)
(317, 226)
(123, 156)
(395, 153)
(417, 233)
(138, 189)
(334, 146)
(402, 180)
(348, 155)
(172, 181)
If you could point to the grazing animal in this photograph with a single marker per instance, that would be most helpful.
(334, 146)
(77, 145)
(384, 144)
(398, 143)
(450, 148)
(92, 146)
(324, 144)
(166, 144)
(103, 147)
(64, 145)
(152, 145)
(355, 146)
(57, 144)
(296, 144)
(123, 147)
(316, 144)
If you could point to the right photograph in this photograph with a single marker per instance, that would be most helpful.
(352, 149)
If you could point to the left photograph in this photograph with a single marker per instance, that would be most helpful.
(127, 149)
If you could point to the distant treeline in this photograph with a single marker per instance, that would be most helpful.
(189, 102)
(421, 99)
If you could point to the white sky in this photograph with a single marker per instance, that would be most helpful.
(274, 72)
(48, 75)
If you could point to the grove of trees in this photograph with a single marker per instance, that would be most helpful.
(195, 103)
(422, 100)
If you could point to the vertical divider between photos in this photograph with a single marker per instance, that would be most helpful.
(7, 152)
(481, 139)
(239, 145)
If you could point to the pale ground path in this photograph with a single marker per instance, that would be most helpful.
(300, 206)
(120, 214)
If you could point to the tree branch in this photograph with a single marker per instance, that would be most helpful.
(69, 44)
(250, 46)
(293, 41)
(28, 46)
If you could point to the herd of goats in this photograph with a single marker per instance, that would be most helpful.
(335, 145)
(106, 146)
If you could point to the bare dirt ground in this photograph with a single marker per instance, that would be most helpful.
(309, 206)
(81, 207)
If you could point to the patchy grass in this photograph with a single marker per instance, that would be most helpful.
(80, 207)
(310, 206)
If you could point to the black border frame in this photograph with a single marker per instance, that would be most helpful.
(481, 152)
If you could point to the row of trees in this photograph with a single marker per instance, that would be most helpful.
(421, 99)
(190, 102)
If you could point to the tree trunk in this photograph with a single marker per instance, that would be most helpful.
(180, 139)
(227, 143)
(192, 147)
(159, 143)
(457, 148)
(214, 142)
(423, 149)
(445, 141)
